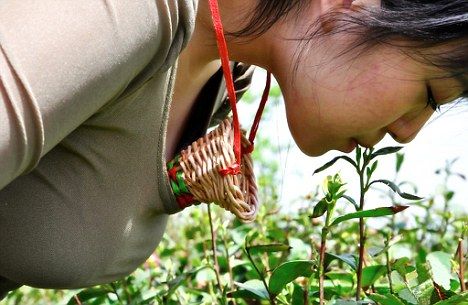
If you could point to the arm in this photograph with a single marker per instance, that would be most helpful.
(60, 62)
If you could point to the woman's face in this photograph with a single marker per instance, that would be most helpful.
(336, 102)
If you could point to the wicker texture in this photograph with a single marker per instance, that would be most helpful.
(201, 163)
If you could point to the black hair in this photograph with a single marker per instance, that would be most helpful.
(418, 26)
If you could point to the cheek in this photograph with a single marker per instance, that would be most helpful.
(327, 109)
(371, 105)
(302, 122)
(329, 119)
(314, 126)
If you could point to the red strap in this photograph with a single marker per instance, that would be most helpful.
(258, 115)
(223, 52)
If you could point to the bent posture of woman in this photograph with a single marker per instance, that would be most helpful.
(97, 95)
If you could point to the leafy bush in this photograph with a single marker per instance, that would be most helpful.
(308, 257)
(313, 255)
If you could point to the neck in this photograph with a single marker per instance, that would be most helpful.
(200, 60)
(256, 51)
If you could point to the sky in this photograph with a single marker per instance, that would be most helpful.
(444, 137)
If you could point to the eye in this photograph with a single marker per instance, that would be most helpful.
(431, 102)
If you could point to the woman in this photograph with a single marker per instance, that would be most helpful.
(93, 104)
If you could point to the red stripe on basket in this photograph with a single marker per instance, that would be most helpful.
(185, 200)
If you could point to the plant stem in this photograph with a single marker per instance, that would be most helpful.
(115, 292)
(446, 219)
(125, 289)
(426, 224)
(228, 261)
(306, 292)
(321, 266)
(77, 299)
(362, 241)
(362, 231)
(461, 263)
(389, 269)
(262, 278)
(213, 248)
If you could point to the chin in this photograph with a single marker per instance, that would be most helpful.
(316, 151)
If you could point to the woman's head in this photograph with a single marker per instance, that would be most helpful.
(351, 72)
(414, 25)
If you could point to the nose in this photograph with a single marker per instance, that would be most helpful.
(403, 140)
(405, 129)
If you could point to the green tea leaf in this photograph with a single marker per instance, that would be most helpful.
(375, 251)
(349, 259)
(179, 280)
(399, 162)
(253, 289)
(411, 279)
(423, 292)
(267, 248)
(148, 298)
(351, 200)
(396, 189)
(89, 294)
(358, 154)
(423, 270)
(454, 284)
(250, 237)
(408, 296)
(244, 294)
(333, 161)
(205, 275)
(340, 278)
(288, 272)
(368, 172)
(371, 274)
(449, 195)
(400, 265)
(298, 295)
(345, 302)
(320, 208)
(371, 169)
(398, 281)
(386, 151)
(386, 299)
(441, 267)
(461, 299)
(378, 212)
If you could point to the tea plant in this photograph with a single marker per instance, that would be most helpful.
(321, 254)
(365, 164)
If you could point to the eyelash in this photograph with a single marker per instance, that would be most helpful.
(431, 102)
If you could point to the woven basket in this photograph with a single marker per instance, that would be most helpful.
(201, 163)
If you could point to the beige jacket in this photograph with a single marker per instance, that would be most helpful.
(85, 88)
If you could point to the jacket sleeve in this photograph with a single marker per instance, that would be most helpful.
(61, 61)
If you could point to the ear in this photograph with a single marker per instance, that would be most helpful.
(356, 4)
(327, 6)
(331, 5)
